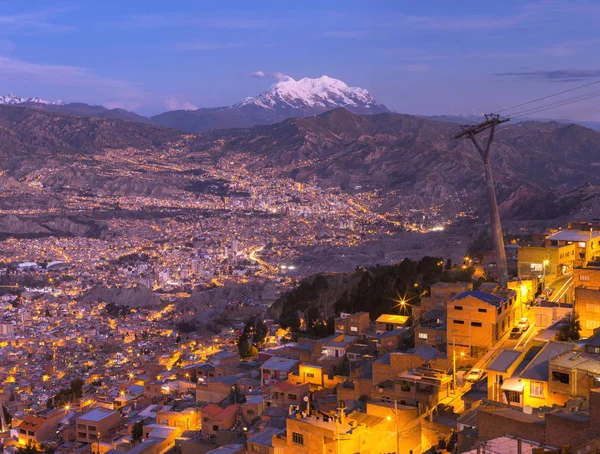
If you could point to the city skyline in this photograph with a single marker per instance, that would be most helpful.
(413, 58)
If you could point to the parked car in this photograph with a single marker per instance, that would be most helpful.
(475, 375)
(516, 332)
(523, 324)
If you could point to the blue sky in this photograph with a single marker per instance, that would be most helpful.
(422, 57)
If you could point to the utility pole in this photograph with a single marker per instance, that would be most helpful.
(470, 131)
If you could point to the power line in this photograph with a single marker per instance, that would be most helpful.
(564, 102)
(548, 96)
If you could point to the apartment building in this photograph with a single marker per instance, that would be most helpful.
(353, 324)
(582, 237)
(97, 424)
(478, 318)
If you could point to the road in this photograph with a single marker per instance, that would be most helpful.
(561, 287)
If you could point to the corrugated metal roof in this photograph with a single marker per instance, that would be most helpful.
(482, 296)
(573, 235)
(504, 360)
(538, 368)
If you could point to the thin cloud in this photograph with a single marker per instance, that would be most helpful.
(67, 76)
(177, 20)
(200, 46)
(558, 75)
(259, 74)
(176, 104)
(344, 34)
(416, 68)
(39, 21)
(464, 23)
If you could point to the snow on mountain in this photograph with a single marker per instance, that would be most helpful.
(15, 100)
(321, 93)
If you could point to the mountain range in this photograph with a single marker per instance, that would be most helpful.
(285, 99)
(542, 170)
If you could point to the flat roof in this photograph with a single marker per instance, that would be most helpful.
(493, 300)
(278, 363)
(573, 235)
(391, 318)
(98, 414)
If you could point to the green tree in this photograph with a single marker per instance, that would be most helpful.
(137, 432)
(244, 347)
(570, 330)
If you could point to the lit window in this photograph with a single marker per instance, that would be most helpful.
(536, 389)
(422, 335)
(584, 277)
(581, 244)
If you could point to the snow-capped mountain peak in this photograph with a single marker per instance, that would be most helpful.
(322, 93)
(14, 100)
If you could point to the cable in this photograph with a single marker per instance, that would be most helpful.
(556, 104)
(548, 96)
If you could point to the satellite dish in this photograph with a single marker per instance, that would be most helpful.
(305, 399)
(527, 409)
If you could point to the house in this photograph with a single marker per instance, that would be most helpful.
(587, 297)
(521, 378)
(574, 374)
(38, 429)
(549, 261)
(97, 424)
(431, 329)
(285, 394)
(337, 345)
(586, 243)
(253, 408)
(389, 322)
(215, 418)
(478, 318)
(217, 389)
(276, 370)
(367, 433)
(188, 419)
(354, 324)
(262, 442)
(439, 294)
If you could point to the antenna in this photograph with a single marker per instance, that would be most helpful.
(470, 131)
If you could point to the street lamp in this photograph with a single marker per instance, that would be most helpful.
(545, 263)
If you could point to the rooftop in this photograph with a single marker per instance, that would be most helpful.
(538, 369)
(504, 360)
(98, 414)
(279, 363)
(573, 235)
(482, 296)
(391, 318)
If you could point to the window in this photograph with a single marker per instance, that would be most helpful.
(215, 428)
(250, 412)
(458, 308)
(592, 307)
(30, 433)
(81, 434)
(536, 389)
(592, 324)
(584, 277)
(259, 449)
(513, 396)
(23, 431)
(458, 322)
(560, 377)
(581, 244)
(310, 375)
(481, 310)
(422, 335)
(478, 324)
(499, 310)
(297, 438)
(292, 397)
(354, 329)
(92, 428)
